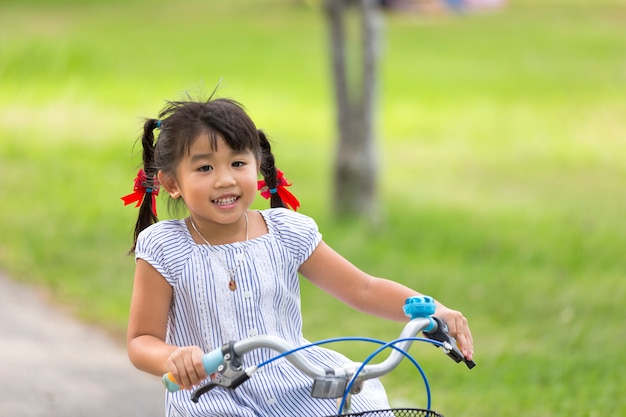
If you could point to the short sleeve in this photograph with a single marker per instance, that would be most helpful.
(166, 246)
(298, 233)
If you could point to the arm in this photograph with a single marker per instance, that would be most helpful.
(147, 324)
(377, 296)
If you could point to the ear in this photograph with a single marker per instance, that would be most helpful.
(169, 183)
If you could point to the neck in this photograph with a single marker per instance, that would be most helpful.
(221, 234)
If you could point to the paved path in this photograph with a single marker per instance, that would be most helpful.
(53, 366)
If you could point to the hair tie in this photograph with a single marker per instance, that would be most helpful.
(143, 185)
(289, 199)
(158, 124)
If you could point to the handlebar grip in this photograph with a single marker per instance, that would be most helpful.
(450, 347)
(170, 383)
(211, 362)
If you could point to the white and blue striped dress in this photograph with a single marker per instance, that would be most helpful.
(206, 313)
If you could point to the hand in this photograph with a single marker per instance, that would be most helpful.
(458, 328)
(185, 364)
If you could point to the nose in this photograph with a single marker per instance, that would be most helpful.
(224, 178)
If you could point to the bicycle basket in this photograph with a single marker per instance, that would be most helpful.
(396, 412)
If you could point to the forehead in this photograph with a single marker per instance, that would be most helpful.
(207, 145)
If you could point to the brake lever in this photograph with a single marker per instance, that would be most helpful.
(230, 374)
(449, 345)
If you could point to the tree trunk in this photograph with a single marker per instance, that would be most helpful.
(356, 165)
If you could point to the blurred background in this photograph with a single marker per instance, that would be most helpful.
(500, 131)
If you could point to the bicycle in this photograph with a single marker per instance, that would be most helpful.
(224, 364)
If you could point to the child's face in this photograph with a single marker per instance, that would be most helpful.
(217, 186)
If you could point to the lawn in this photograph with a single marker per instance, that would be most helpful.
(502, 140)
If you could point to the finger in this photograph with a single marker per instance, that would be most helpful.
(180, 376)
(199, 365)
(464, 338)
(470, 340)
(173, 368)
(180, 368)
(194, 371)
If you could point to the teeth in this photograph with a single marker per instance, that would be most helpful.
(225, 201)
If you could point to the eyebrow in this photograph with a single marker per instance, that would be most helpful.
(202, 156)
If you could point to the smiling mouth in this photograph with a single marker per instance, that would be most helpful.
(226, 201)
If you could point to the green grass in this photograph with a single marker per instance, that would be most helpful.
(502, 140)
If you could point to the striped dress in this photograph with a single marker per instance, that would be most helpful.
(206, 313)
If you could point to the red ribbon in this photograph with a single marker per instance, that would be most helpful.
(289, 199)
(141, 189)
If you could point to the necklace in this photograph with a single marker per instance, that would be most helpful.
(232, 285)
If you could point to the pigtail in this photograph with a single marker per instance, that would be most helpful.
(148, 182)
(268, 170)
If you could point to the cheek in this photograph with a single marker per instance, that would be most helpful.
(250, 181)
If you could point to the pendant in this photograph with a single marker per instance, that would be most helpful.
(232, 285)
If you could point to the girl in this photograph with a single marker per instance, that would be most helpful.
(226, 272)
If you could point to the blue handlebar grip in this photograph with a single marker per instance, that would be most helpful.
(211, 362)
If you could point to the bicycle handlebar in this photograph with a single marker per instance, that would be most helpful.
(214, 360)
(328, 383)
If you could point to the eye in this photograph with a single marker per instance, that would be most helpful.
(205, 168)
(239, 164)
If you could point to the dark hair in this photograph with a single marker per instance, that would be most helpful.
(181, 123)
